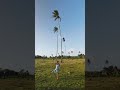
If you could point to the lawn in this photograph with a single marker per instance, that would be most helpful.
(16, 84)
(102, 83)
(71, 75)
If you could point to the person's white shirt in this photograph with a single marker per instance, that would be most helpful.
(57, 67)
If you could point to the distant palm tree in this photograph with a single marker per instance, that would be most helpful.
(52, 56)
(69, 54)
(106, 62)
(88, 61)
(64, 44)
(71, 51)
(79, 53)
(57, 17)
(63, 39)
(94, 64)
(56, 31)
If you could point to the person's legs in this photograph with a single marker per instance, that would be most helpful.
(57, 76)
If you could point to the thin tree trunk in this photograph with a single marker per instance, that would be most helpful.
(65, 48)
(57, 47)
(61, 48)
(61, 39)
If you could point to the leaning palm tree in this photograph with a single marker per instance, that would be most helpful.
(57, 17)
(56, 31)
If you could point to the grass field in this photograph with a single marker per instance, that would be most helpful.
(44, 79)
(102, 83)
(16, 84)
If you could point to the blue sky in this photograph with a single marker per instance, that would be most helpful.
(72, 13)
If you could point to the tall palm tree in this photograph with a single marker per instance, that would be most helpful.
(88, 63)
(63, 39)
(64, 44)
(79, 53)
(56, 31)
(94, 64)
(57, 17)
(106, 62)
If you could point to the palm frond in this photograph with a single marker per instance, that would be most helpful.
(56, 15)
(63, 39)
(55, 29)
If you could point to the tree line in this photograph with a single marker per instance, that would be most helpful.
(108, 70)
(81, 56)
(7, 73)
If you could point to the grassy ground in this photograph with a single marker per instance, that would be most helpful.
(44, 79)
(102, 83)
(16, 84)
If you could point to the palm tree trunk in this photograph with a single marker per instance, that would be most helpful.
(61, 48)
(65, 49)
(57, 47)
(61, 38)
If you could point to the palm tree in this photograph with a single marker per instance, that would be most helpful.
(106, 62)
(57, 17)
(52, 56)
(64, 44)
(79, 53)
(88, 62)
(69, 54)
(63, 39)
(94, 64)
(56, 31)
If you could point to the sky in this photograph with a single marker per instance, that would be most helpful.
(17, 37)
(72, 13)
(102, 37)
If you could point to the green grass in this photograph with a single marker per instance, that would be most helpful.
(44, 79)
(16, 84)
(102, 83)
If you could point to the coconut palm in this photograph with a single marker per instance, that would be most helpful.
(57, 17)
(106, 62)
(69, 54)
(71, 51)
(94, 64)
(88, 61)
(56, 31)
(63, 39)
(64, 44)
(79, 53)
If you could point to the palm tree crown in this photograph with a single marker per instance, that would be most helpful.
(56, 15)
(55, 29)
(63, 39)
